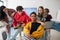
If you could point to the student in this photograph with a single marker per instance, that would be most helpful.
(2, 9)
(3, 24)
(41, 13)
(47, 15)
(41, 17)
(20, 18)
(48, 18)
(10, 14)
(33, 30)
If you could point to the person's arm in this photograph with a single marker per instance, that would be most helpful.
(14, 24)
(49, 17)
(26, 31)
(42, 23)
(39, 32)
(7, 29)
(28, 18)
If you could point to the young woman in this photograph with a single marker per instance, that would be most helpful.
(10, 14)
(41, 13)
(33, 30)
(2, 9)
(3, 23)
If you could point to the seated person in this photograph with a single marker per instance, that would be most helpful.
(48, 18)
(33, 30)
(3, 24)
(47, 15)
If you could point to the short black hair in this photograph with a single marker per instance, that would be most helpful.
(33, 13)
(47, 9)
(19, 8)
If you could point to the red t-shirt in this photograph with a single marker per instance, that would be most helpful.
(20, 18)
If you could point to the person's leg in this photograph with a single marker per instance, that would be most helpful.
(44, 36)
(1, 36)
(25, 37)
(48, 34)
(38, 39)
(14, 33)
(9, 34)
(21, 33)
(9, 28)
(56, 26)
(4, 35)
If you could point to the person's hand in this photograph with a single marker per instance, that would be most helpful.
(15, 27)
(29, 36)
(23, 25)
(42, 23)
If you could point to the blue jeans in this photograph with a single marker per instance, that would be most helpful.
(9, 28)
(14, 33)
(56, 26)
(44, 36)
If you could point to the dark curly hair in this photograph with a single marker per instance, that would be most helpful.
(3, 15)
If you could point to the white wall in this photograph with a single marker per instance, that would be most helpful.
(53, 5)
(5, 2)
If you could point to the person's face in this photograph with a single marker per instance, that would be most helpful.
(40, 10)
(5, 10)
(33, 17)
(45, 12)
(20, 12)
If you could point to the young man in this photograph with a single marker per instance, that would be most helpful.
(33, 30)
(20, 19)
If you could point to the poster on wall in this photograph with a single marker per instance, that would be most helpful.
(29, 10)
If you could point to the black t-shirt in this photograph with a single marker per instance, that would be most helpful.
(34, 27)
